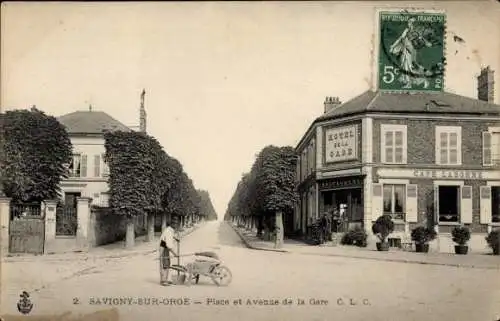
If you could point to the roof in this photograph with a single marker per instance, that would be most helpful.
(90, 122)
(420, 102)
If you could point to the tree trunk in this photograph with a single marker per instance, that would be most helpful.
(260, 225)
(278, 243)
(130, 234)
(151, 227)
(163, 221)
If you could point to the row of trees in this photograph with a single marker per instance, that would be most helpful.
(143, 177)
(267, 193)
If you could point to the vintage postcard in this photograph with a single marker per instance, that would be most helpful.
(252, 161)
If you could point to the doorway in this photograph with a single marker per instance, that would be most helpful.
(449, 203)
(70, 199)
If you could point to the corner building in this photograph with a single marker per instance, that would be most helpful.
(423, 158)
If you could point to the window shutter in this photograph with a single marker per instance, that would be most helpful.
(412, 203)
(436, 204)
(377, 201)
(405, 147)
(466, 205)
(437, 150)
(83, 172)
(485, 204)
(487, 149)
(97, 165)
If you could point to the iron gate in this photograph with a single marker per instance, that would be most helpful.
(66, 221)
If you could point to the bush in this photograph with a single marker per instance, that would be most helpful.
(382, 227)
(493, 238)
(461, 235)
(423, 235)
(356, 236)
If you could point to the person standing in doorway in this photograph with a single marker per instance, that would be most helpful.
(167, 247)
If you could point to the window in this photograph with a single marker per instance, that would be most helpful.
(78, 167)
(394, 201)
(105, 167)
(97, 165)
(495, 204)
(491, 147)
(448, 145)
(449, 203)
(311, 157)
(393, 144)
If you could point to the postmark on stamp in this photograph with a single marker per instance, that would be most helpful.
(411, 51)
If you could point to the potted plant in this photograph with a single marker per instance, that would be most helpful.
(382, 227)
(493, 240)
(422, 235)
(461, 235)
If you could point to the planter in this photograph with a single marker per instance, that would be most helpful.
(496, 249)
(382, 246)
(421, 248)
(461, 249)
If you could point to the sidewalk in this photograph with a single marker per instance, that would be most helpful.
(112, 250)
(472, 260)
(33, 273)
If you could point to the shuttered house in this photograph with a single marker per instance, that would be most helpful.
(421, 158)
(88, 171)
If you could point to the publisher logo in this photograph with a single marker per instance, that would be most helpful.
(24, 305)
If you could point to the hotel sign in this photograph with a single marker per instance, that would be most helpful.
(341, 144)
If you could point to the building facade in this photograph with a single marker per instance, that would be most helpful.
(88, 171)
(423, 158)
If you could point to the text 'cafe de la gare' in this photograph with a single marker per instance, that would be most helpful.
(422, 158)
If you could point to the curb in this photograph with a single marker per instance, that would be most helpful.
(85, 256)
(250, 246)
(402, 261)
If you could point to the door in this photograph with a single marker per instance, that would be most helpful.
(70, 199)
(26, 232)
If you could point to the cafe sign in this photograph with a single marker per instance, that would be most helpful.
(341, 143)
(462, 174)
(443, 174)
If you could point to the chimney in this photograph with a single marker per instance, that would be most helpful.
(142, 113)
(331, 103)
(485, 82)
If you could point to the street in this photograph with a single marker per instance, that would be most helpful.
(266, 286)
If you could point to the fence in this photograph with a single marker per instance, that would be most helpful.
(22, 210)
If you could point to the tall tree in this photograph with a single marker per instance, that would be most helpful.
(268, 191)
(140, 175)
(37, 150)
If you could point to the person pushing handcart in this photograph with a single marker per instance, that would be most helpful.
(169, 246)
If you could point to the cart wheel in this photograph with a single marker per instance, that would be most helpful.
(222, 276)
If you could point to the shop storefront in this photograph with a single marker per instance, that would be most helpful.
(342, 199)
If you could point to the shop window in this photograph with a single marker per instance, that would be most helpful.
(393, 144)
(448, 145)
(495, 204)
(394, 201)
(449, 204)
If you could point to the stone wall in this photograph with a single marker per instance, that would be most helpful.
(105, 227)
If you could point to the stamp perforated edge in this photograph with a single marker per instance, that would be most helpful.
(377, 37)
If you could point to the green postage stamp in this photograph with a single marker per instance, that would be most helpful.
(411, 51)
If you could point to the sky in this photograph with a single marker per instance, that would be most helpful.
(222, 79)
